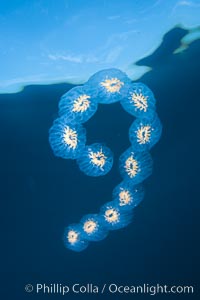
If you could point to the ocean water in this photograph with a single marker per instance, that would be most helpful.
(42, 194)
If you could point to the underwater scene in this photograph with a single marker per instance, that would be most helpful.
(99, 122)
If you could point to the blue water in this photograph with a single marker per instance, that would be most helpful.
(42, 194)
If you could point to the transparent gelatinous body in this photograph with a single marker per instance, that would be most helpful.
(144, 134)
(128, 196)
(73, 238)
(140, 101)
(111, 85)
(96, 160)
(92, 228)
(135, 166)
(78, 105)
(113, 217)
(67, 140)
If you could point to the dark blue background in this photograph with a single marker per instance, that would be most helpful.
(42, 194)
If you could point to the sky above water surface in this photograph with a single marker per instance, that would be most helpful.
(43, 42)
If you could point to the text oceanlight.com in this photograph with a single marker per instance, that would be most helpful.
(112, 288)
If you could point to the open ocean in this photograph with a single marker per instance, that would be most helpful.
(42, 194)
